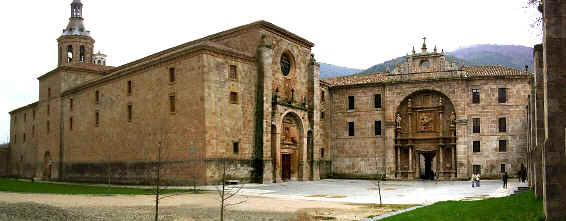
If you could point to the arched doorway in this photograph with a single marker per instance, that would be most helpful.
(425, 137)
(47, 166)
(291, 148)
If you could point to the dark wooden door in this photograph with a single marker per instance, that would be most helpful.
(286, 166)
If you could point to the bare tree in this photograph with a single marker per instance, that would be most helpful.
(228, 193)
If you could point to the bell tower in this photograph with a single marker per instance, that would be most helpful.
(75, 44)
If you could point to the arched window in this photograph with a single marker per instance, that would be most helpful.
(82, 53)
(69, 53)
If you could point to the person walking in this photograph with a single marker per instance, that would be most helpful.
(523, 173)
(473, 180)
(478, 180)
(505, 177)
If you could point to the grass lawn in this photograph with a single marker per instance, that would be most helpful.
(11, 185)
(522, 206)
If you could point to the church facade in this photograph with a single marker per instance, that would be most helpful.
(251, 99)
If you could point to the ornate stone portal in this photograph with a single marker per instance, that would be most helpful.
(425, 137)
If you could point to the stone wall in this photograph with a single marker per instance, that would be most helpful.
(554, 154)
(4, 162)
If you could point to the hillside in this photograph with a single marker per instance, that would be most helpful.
(329, 70)
(512, 56)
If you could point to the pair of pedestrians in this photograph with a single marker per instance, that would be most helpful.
(475, 180)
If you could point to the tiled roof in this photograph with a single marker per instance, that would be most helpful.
(474, 72)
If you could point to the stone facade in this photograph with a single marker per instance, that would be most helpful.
(251, 99)
(433, 99)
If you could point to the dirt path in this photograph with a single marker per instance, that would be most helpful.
(179, 208)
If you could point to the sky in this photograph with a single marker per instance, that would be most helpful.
(354, 33)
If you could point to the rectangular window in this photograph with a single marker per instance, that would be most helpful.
(48, 127)
(476, 146)
(97, 97)
(475, 125)
(129, 112)
(24, 137)
(171, 75)
(25, 117)
(502, 95)
(502, 168)
(129, 87)
(233, 97)
(377, 128)
(48, 109)
(172, 103)
(502, 145)
(502, 124)
(351, 103)
(475, 96)
(236, 147)
(96, 119)
(233, 75)
(351, 129)
(33, 117)
(377, 100)
(476, 169)
(321, 152)
(71, 104)
(322, 115)
(322, 97)
(48, 92)
(71, 123)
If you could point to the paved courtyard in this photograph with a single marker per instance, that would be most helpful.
(393, 192)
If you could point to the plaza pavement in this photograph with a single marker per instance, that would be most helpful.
(393, 192)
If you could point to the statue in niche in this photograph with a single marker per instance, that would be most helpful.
(398, 120)
(425, 123)
(289, 134)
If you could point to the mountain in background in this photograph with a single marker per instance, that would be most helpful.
(513, 56)
(329, 70)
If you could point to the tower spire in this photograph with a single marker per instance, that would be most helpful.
(424, 45)
(76, 26)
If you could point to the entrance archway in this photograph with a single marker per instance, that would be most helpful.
(291, 148)
(425, 136)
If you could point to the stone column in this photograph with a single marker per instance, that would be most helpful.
(441, 160)
(398, 152)
(314, 115)
(554, 55)
(262, 162)
(410, 163)
(539, 119)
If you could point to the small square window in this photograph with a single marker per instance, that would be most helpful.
(233, 97)
(96, 119)
(97, 97)
(377, 128)
(171, 75)
(129, 87)
(351, 103)
(233, 75)
(502, 145)
(476, 146)
(475, 96)
(475, 125)
(236, 147)
(129, 112)
(377, 100)
(172, 103)
(351, 131)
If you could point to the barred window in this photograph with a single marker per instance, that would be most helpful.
(351, 129)
(377, 128)
(172, 103)
(233, 75)
(233, 97)
(351, 103)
